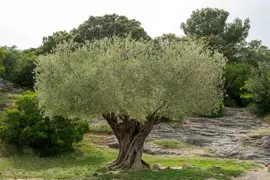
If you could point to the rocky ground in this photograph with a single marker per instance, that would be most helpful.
(258, 174)
(238, 134)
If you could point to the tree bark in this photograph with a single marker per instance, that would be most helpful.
(131, 135)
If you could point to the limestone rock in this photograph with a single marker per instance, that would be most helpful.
(156, 167)
(227, 137)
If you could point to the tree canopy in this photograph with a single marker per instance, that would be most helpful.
(125, 75)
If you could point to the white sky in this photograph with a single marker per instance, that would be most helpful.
(24, 22)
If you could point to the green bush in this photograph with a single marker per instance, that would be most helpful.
(25, 126)
(236, 75)
(258, 90)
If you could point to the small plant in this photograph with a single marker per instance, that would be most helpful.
(100, 128)
(24, 126)
(171, 144)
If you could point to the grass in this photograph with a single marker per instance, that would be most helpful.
(267, 118)
(79, 164)
(90, 156)
(201, 168)
(169, 174)
(7, 98)
(171, 144)
(265, 131)
(100, 129)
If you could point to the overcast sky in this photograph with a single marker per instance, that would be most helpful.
(24, 22)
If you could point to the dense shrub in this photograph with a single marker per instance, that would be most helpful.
(24, 125)
(258, 89)
(236, 75)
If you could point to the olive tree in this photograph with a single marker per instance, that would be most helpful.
(133, 85)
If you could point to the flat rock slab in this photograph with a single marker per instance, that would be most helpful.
(262, 174)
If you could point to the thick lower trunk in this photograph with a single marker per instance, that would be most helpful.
(130, 153)
(131, 135)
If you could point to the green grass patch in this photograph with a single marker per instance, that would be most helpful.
(90, 156)
(7, 98)
(171, 144)
(267, 118)
(100, 129)
(265, 131)
(201, 168)
(167, 174)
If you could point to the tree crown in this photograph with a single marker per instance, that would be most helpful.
(127, 76)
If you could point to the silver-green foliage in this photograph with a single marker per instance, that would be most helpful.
(135, 77)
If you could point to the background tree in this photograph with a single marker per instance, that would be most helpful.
(167, 39)
(9, 61)
(23, 71)
(50, 42)
(258, 89)
(211, 24)
(235, 77)
(253, 53)
(18, 66)
(110, 25)
(134, 85)
(2, 55)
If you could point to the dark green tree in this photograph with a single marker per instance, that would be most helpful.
(211, 25)
(50, 42)
(18, 66)
(253, 53)
(2, 55)
(167, 39)
(109, 25)
(9, 61)
(236, 75)
(258, 89)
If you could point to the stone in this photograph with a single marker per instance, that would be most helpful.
(2, 85)
(156, 167)
(114, 145)
(10, 86)
(185, 165)
(197, 140)
(266, 143)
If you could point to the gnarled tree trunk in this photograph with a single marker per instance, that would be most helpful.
(131, 135)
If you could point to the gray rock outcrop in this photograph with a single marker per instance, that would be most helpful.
(228, 137)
